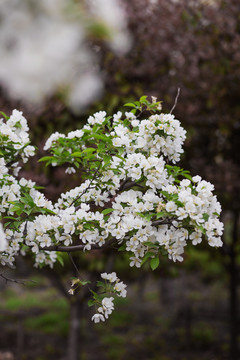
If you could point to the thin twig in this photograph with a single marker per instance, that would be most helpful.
(84, 191)
(74, 265)
(176, 100)
(17, 281)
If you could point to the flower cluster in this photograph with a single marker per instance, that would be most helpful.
(131, 193)
(159, 134)
(104, 310)
(14, 142)
(113, 285)
(118, 286)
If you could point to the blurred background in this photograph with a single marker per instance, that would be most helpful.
(60, 61)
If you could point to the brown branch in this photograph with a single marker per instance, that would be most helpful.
(73, 248)
(81, 247)
(127, 185)
(163, 222)
(123, 183)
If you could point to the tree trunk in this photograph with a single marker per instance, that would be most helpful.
(73, 334)
(233, 292)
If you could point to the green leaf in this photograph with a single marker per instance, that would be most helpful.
(45, 211)
(17, 208)
(86, 131)
(163, 252)
(76, 164)
(28, 212)
(46, 158)
(161, 214)
(107, 211)
(58, 151)
(148, 217)
(103, 137)
(120, 157)
(10, 217)
(4, 115)
(27, 199)
(60, 259)
(154, 263)
(39, 187)
(188, 176)
(200, 227)
(77, 154)
(148, 255)
(130, 105)
(122, 248)
(91, 302)
(95, 295)
(85, 282)
(143, 98)
(205, 216)
(89, 150)
(149, 243)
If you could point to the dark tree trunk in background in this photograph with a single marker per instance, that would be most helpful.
(73, 334)
(233, 292)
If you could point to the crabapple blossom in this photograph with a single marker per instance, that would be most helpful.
(97, 318)
(131, 196)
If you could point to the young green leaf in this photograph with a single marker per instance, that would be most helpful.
(154, 263)
(60, 259)
(46, 158)
(107, 211)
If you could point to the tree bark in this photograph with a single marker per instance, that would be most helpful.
(234, 351)
(73, 334)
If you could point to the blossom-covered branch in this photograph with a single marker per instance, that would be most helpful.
(130, 194)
